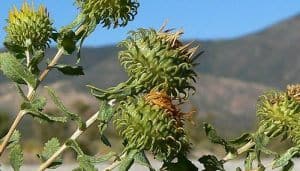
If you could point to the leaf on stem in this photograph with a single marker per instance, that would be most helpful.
(69, 70)
(104, 117)
(15, 71)
(211, 163)
(15, 154)
(183, 164)
(70, 115)
(16, 157)
(66, 39)
(49, 149)
(285, 158)
(213, 136)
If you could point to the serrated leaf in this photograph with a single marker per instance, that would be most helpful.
(213, 136)
(85, 163)
(37, 104)
(142, 159)
(69, 70)
(285, 158)
(49, 149)
(14, 139)
(73, 116)
(40, 116)
(211, 163)
(15, 71)
(183, 164)
(16, 157)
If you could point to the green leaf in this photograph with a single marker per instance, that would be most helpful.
(142, 159)
(127, 161)
(85, 163)
(104, 117)
(49, 149)
(64, 110)
(15, 71)
(285, 158)
(16, 157)
(213, 136)
(243, 139)
(75, 146)
(14, 139)
(211, 163)
(37, 104)
(261, 142)
(67, 40)
(183, 164)
(37, 57)
(105, 140)
(102, 158)
(69, 70)
(40, 116)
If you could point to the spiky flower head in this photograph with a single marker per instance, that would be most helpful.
(152, 123)
(108, 12)
(294, 91)
(158, 60)
(28, 27)
(279, 115)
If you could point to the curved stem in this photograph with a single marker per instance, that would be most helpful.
(75, 135)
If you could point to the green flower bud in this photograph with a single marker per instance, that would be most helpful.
(152, 123)
(29, 28)
(158, 60)
(108, 12)
(279, 114)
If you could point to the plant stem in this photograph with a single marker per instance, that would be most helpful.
(241, 150)
(75, 135)
(31, 91)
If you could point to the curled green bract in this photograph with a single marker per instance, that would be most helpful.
(151, 127)
(279, 115)
(29, 28)
(108, 12)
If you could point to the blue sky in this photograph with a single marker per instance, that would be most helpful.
(200, 19)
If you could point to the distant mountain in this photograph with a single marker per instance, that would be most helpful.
(232, 74)
(270, 57)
